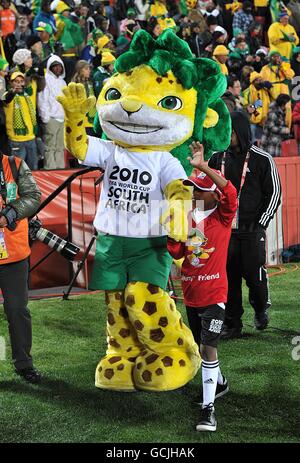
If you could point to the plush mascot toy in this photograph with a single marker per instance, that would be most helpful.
(158, 101)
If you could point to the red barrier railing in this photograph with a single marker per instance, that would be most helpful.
(85, 195)
(289, 171)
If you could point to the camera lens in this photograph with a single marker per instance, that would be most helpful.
(65, 248)
(70, 250)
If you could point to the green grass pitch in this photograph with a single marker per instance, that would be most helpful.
(69, 338)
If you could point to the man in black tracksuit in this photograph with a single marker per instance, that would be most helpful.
(254, 174)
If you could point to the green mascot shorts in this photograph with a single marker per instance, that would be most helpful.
(120, 260)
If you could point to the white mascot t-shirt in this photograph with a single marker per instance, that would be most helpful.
(132, 198)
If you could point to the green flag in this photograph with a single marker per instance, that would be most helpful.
(276, 7)
(183, 7)
(72, 34)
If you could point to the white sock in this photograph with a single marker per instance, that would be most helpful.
(209, 381)
(220, 377)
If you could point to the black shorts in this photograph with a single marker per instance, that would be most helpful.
(206, 323)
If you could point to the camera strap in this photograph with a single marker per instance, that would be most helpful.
(15, 173)
(13, 168)
(3, 190)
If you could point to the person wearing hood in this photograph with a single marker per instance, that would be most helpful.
(254, 174)
(52, 114)
(275, 128)
(260, 59)
(219, 36)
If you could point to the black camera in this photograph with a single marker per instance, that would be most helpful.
(65, 248)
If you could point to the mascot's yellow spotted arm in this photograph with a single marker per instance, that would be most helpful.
(159, 100)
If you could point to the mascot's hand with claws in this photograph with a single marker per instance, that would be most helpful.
(158, 101)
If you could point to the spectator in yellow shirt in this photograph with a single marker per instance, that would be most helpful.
(257, 104)
(280, 74)
(21, 123)
(282, 36)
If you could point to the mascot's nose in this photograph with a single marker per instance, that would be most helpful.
(131, 106)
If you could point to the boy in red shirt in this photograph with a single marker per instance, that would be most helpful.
(204, 279)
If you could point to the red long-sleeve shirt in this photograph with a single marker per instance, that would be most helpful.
(204, 279)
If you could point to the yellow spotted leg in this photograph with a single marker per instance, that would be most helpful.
(115, 370)
(170, 357)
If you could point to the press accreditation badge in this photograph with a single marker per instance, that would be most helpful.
(3, 249)
(235, 222)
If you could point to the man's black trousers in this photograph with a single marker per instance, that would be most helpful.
(14, 286)
(246, 259)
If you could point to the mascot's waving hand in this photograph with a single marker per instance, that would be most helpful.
(158, 101)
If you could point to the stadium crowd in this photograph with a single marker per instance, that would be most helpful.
(45, 44)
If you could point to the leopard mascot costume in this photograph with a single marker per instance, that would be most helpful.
(157, 102)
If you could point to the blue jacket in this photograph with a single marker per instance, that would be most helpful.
(86, 55)
(45, 18)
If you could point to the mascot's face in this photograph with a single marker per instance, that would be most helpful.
(141, 109)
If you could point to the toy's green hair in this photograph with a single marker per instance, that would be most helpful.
(170, 53)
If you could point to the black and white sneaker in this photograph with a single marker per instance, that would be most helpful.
(221, 390)
(207, 419)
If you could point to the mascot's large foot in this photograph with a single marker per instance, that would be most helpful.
(115, 373)
(163, 372)
(170, 357)
(115, 370)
